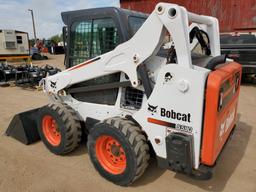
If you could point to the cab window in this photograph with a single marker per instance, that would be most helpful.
(91, 38)
(135, 23)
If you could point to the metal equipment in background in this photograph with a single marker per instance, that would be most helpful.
(242, 48)
(26, 75)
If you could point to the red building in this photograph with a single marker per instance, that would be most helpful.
(233, 15)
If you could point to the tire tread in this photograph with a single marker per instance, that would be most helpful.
(137, 140)
(73, 127)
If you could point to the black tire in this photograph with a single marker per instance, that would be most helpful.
(69, 127)
(133, 142)
(45, 57)
(36, 56)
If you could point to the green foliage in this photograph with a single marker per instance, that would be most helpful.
(32, 42)
(56, 39)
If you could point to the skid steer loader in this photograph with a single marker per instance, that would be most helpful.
(150, 84)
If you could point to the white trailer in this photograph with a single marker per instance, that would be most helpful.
(13, 44)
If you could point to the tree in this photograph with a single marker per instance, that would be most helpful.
(56, 39)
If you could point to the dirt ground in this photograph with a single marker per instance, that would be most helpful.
(34, 168)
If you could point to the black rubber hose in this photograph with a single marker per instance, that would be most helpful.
(216, 61)
(196, 32)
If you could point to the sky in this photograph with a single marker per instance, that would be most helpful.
(14, 14)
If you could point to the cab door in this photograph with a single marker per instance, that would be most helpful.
(89, 38)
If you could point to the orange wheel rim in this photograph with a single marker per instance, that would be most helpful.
(51, 130)
(110, 154)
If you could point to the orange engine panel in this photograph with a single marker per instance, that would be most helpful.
(222, 91)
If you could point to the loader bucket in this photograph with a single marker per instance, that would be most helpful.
(23, 127)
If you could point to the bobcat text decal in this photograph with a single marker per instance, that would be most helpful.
(186, 117)
(171, 114)
(225, 125)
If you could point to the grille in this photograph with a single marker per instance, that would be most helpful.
(10, 45)
(131, 98)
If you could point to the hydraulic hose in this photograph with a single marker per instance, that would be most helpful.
(216, 61)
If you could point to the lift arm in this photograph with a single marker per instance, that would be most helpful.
(166, 18)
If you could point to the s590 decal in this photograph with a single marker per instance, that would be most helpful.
(177, 126)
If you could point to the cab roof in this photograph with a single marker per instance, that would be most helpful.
(95, 12)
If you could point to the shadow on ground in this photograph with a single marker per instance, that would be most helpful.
(230, 158)
(82, 149)
(151, 174)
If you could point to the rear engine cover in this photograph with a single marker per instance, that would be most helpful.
(222, 92)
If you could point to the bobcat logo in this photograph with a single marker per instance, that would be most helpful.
(152, 109)
(168, 77)
(53, 84)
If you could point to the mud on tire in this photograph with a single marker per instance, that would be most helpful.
(130, 139)
(67, 133)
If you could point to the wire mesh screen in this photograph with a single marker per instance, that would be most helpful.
(131, 98)
(80, 42)
(104, 37)
(89, 39)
